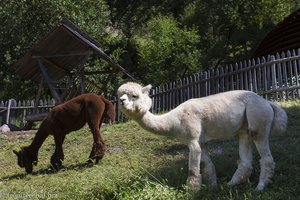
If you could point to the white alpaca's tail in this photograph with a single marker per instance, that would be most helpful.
(280, 119)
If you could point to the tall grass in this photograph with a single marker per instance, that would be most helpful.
(140, 165)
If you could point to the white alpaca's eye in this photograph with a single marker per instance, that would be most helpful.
(135, 96)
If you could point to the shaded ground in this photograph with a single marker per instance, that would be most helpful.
(13, 135)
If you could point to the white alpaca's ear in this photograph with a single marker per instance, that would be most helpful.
(146, 89)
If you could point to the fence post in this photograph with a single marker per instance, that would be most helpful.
(246, 83)
(298, 70)
(290, 74)
(273, 76)
(8, 111)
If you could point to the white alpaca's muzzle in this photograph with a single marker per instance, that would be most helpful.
(125, 103)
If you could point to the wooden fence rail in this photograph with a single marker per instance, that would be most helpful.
(275, 77)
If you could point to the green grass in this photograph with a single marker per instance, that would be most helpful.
(140, 165)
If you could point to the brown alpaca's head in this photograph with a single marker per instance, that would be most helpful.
(26, 159)
(110, 112)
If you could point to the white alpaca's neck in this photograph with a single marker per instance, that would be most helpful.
(158, 124)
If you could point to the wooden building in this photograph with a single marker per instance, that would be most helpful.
(285, 36)
(58, 61)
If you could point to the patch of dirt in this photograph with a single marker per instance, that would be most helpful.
(13, 135)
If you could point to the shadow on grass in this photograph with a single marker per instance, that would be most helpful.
(49, 170)
(175, 172)
(172, 150)
(285, 150)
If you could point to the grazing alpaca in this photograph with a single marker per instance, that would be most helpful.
(64, 118)
(220, 116)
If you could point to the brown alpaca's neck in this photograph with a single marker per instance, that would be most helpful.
(38, 139)
(158, 124)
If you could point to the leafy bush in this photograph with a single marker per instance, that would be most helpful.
(166, 50)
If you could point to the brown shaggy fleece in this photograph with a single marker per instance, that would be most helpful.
(69, 116)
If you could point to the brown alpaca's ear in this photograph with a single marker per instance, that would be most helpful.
(16, 152)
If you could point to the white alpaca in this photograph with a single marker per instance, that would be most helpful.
(219, 116)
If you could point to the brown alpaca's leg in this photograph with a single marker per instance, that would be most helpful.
(98, 149)
(97, 152)
(58, 155)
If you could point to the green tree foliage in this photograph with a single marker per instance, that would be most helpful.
(24, 23)
(156, 41)
(231, 30)
(166, 51)
(133, 14)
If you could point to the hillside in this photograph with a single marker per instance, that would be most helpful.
(139, 165)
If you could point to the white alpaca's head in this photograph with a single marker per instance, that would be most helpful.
(134, 99)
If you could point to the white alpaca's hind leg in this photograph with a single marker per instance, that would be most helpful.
(267, 163)
(244, 169)
(209, 171)
(194, 177)
(260, 116)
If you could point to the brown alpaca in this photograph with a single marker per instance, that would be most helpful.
(65, 118)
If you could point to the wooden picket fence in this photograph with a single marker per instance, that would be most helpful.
(15, 112)
(275, 77)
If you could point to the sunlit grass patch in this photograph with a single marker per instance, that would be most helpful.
(140, 165)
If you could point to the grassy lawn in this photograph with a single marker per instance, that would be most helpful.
(140, 165)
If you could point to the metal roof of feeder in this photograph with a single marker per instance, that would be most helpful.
(62, 50)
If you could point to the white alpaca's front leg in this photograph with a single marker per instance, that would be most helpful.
(194, 176)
